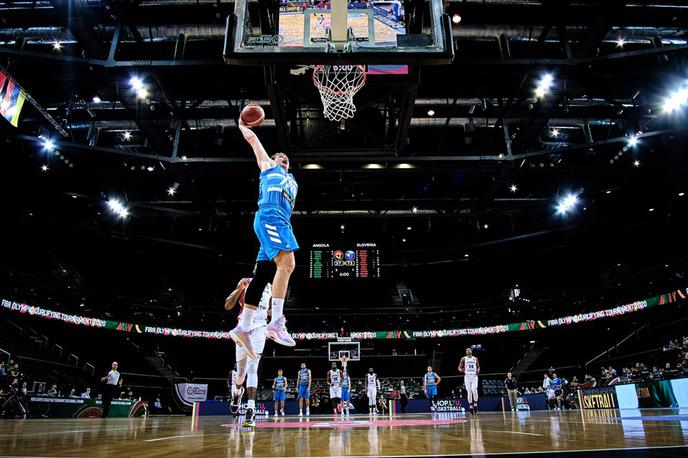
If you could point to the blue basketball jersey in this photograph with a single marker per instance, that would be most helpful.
(431, 379)
(346, 381)
(303, 376)
(280, 383)
(277, 189)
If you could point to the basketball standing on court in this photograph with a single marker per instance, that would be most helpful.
(334, 379)
(430, 382)
(256, 333)
(470, 366)
(275, 261)
(372, 384)
(303, 382)
(112, 381)
(280, 387)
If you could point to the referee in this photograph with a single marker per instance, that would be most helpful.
(112, 381)
(511, 388)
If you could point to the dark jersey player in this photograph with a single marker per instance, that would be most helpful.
(275, 261)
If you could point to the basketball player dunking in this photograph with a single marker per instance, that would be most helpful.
(373, 384)
(334, 379)
(256, 334)
(275, 261)
(470, 366)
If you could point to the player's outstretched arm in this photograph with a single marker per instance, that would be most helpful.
(262, 158)
(232, 299)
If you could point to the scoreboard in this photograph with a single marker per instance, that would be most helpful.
(339, 260)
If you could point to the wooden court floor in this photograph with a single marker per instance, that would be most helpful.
(403, 435)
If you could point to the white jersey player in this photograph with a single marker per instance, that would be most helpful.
(334, 380)
(372, 385)
(247, 368)
(470, 367)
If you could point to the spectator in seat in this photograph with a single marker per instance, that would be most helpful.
(52, 392)
(551, 398)
(72, 393)
(86, 394)
(130, 395)
(3, 372)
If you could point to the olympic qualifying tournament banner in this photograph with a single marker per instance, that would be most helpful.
(529, 325)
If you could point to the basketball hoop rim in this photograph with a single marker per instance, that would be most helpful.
(354, 89)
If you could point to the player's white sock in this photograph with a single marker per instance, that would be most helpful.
(251, 404)
(246, 318)
(277, 309)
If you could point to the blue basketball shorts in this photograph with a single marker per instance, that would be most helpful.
(303, 392)
(345, 394)
(274, 233)
(280, 395)
(432, 391)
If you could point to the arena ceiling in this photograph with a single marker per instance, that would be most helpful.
(468, 156)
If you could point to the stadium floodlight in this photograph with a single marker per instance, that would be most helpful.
(632, 141)
(620, 42)
(136, 83)
(544, 85)
(48, 144)
(118, 208)
(676, 100)
(567, 203)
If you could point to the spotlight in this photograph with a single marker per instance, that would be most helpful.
(620, 42)
(414, 209)
(48, 144)
(456, 18)
(172, 190)
(142, 94)
(136, 83)
(44, 168)
(150, 168)
(651, 210)
(636, 163)
(567, 204)
(57, 46)
(341, 227)
(544, 85)
(676, 100)
(681, 194)
(117, 208)
(431, 112)
(408, 228)
(465, 255)
(96, 99)
(608, 191)
(513, 188)
(633, 141)
(555, 133)
(486, 226)
(127, 135)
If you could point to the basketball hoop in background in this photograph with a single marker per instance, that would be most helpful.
(337, 85)
(344, 358)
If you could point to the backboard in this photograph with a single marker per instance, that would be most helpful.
(336, 349)
(313, 32)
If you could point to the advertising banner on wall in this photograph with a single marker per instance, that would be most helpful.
(188, 393)
(655, 394)
(603, 397)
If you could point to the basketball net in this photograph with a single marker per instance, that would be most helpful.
(344, 359)
(337, 85)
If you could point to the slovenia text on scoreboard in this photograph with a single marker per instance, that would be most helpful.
(340, 260)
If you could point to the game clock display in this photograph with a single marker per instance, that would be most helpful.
(359, 260)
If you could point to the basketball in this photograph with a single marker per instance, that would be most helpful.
(252, 115)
